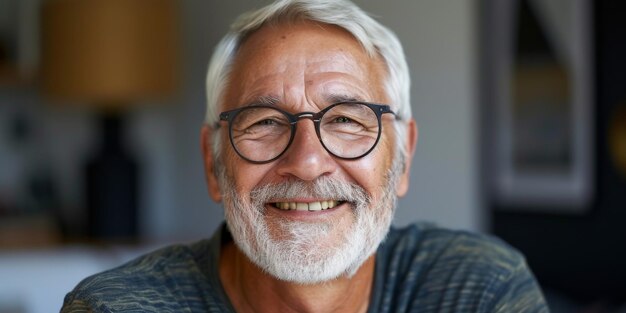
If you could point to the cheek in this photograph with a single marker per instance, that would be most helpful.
(244, 175)
(370, 171)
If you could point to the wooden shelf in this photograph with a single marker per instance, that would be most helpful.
(28, 231)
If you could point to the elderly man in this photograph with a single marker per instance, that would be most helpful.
(308, 141)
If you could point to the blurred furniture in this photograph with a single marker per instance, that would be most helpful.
(110, 55)
(37, 280)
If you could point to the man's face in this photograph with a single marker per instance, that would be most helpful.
(306, 67)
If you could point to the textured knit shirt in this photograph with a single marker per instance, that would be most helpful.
(419, 268)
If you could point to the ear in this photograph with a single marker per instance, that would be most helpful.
(411, 142)
(206, 143)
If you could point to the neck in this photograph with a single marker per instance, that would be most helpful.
(250, 289)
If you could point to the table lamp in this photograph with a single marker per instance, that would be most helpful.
(110, 55)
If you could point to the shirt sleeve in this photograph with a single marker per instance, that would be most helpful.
(76, 306)
(520, 292)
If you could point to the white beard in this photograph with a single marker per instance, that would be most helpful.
(307, 252)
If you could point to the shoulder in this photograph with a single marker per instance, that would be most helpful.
(443, 268)
(171, 260)
(433, 245)
(146, 283)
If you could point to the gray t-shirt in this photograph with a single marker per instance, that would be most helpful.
(419, 268)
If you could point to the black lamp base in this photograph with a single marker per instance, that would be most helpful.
(112, 186)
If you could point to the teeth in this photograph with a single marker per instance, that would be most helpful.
(315, 206)
(310, 206)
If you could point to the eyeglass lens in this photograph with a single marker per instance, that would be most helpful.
(347, 130)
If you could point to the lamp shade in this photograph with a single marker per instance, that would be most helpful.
(110, 52)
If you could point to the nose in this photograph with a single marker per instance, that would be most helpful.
(306, 158)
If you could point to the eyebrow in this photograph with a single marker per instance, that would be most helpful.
(273, 100)
(270, 100)
(336, 98)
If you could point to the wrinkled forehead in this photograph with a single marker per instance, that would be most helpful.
(307, 46)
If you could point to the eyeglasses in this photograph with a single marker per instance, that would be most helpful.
(347, 130)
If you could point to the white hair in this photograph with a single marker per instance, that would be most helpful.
(376, 39)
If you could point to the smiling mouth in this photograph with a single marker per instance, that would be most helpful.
(307, 206)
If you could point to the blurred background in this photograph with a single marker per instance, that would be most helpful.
(521, 108)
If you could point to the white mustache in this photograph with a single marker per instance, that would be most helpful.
(321, 188)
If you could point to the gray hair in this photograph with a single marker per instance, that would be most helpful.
(376, 39)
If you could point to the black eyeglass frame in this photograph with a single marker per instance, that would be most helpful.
(378, 109)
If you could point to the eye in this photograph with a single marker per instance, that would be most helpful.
(266, 122)
(343, 119)
(266, 126)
